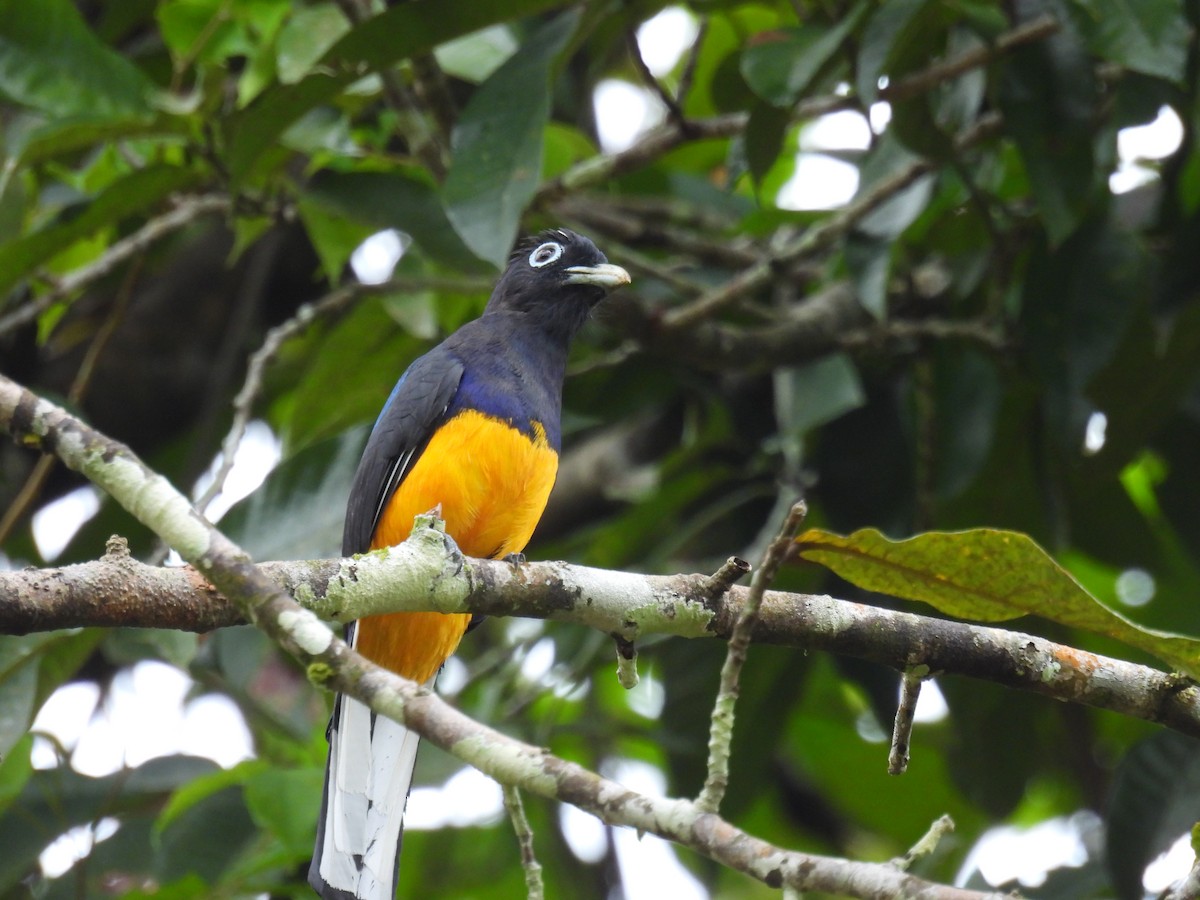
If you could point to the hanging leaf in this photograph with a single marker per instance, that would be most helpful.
(51, 60)
(987, 575)
(498, 145)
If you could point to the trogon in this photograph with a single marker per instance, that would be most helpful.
(471, 427)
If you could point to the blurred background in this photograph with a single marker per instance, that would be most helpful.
(926, 263)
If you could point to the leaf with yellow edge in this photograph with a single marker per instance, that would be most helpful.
(988, 575)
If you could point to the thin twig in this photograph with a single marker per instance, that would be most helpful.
(534, 888)
(910, 691)
(424, 142)
(721, 731)
(185, 212)
(689, 68)
(819, 236)
(940, 72)
(331, 304)
(941, 827)
(674, 112)
(664, 139)
(627, 673)
(983, 332)
(32, 488)
(724, 578)
(243, 403)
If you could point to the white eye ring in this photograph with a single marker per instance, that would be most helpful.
(545, 254)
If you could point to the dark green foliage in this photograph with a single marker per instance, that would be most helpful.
(934, 361)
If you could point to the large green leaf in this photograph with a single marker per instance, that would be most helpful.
(405, 30)
(403, 199)
(138, 192)
(1048, 97)
(498, 145)
(287, 802)
(1149, 36)
(31, 667)
(1155, 800)
(780, 70)
(51, 60)
(988, 575)
(55, 800)
(297, 512)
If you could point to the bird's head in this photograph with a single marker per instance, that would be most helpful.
(556, 277)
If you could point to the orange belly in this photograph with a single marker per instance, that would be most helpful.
(492, 483)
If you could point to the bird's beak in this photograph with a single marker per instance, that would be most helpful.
(605, 276)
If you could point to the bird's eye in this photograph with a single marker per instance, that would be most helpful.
(545, 254)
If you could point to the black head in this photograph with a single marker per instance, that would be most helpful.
(555, 277)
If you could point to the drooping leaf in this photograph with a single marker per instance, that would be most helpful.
(498, 145)
(400, 199)
(1150, 36)
(297, 512)
(51, 60)
(781, 67)
(305, 37)
(1155, 800)
(1048, 97)
(287, 802)
(987, 575)
(55, 800)
(891, 34)
(31, 667)
(763, 139)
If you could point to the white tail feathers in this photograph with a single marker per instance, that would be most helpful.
(367, 780)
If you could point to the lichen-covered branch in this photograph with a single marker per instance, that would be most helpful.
(330, 662)
(429, 572)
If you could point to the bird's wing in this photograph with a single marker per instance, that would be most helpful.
(416, 406)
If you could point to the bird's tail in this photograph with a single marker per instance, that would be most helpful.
(367, 779)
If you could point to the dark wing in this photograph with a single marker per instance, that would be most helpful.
(412, 412)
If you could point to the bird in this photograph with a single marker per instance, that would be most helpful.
(471, 428)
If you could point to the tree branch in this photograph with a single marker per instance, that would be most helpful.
(185, 212)
(428, 572)
(331, 663)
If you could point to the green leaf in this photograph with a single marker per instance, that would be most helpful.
(135, 193)
(1155, 800)
(498, 145)
(891, 33)
(333, 236)
(31, 667)
(63, 136)
(869, 262)
(987, 575)
(306, 37)
(55, 800)
(474, 57)
(402, 199)
(199, 789)
(1149, 36)
(781, 67)
(1048, 97)
(405, 30)
(287, 802)
(763, 139)
(16, 767)
(968, 403)
(125, 646)
(809, 396)
(297, 511)
(889, 219)
(51, 60)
